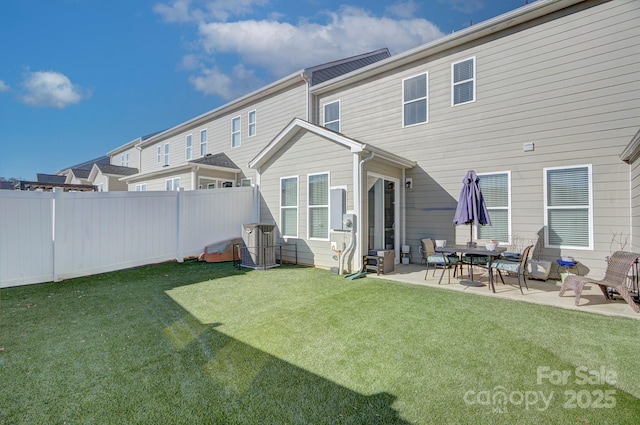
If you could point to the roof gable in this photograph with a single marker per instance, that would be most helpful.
(298, 125)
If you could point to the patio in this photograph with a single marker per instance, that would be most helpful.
(540, 292)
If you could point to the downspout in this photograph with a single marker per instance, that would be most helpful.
(403, 212)
(305, 77)
(358, 201)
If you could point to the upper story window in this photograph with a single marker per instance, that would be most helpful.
(332, 116)
(203, 142)
(496, 190)
(463, 81)
(414, 100)
(188, 148)
(235, 132)
(142, 187)
(252, 123)
(289, 206)
(166, 154)
(159, 154)
(318, 199)
(568, 204)
(124, 159)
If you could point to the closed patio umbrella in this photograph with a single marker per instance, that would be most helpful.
(471, 207)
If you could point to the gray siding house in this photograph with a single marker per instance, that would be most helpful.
(542, 102)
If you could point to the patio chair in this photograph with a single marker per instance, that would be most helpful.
(430, 256)
(518, 267)
(616, 277)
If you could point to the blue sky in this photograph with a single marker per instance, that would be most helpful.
(79, 78)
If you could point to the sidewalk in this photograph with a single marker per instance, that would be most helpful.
(545, 293)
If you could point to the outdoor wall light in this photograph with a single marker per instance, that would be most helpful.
(408, 183)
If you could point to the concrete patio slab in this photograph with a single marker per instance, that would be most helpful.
(539, 292)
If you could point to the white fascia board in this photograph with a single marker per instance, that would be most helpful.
(507, 20)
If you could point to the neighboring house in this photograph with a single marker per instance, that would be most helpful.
(7, 185)
(48, 182)
(177, 158)
(542, 102)
(108, 177)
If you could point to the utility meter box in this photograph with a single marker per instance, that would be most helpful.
(348, 221)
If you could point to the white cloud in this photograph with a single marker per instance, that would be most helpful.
(212, 81)
(465, 6)
(51, 89)
(3, 87)
(406, 9)
(220, 10)
(279, 48)
(282, 47)
(178, 11)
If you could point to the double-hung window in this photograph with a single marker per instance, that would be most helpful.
(463, 81)
(252, 123)
(496, 190)
(173, 184)
(289, 206)
(235, 132)
(318, 201)
(414, 100)
(124, 159)
(188, 148)
(332, 116)
(203, 142)
(159, 154)
(568, 204)
(166, 154)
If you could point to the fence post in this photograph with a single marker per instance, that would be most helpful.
(56, 232)
(180, 225)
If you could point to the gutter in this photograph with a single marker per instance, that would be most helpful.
(499, 23)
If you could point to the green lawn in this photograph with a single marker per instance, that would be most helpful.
(198, 343)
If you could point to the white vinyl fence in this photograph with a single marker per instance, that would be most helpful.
(47, 236)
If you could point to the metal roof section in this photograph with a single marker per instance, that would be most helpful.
(499, 23)
(220, 160)
(50, 178)
(132, 143)
(81, 173)
(87, 165)
(325, 72)
(297, 125)
(117, 170)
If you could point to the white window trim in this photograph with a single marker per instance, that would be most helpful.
(142, 187)
(508, 207)
(203, 143)
(324, 114)
(473, 78)
(546, 207)
(159, 154)
(243, 181)
(254, 123)
(296, 207)
(239, 132)
(426, 98)
(328, 206)
(188, 153)
(166, 154)
(175, 183)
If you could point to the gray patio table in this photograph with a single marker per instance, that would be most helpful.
(477, 251)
